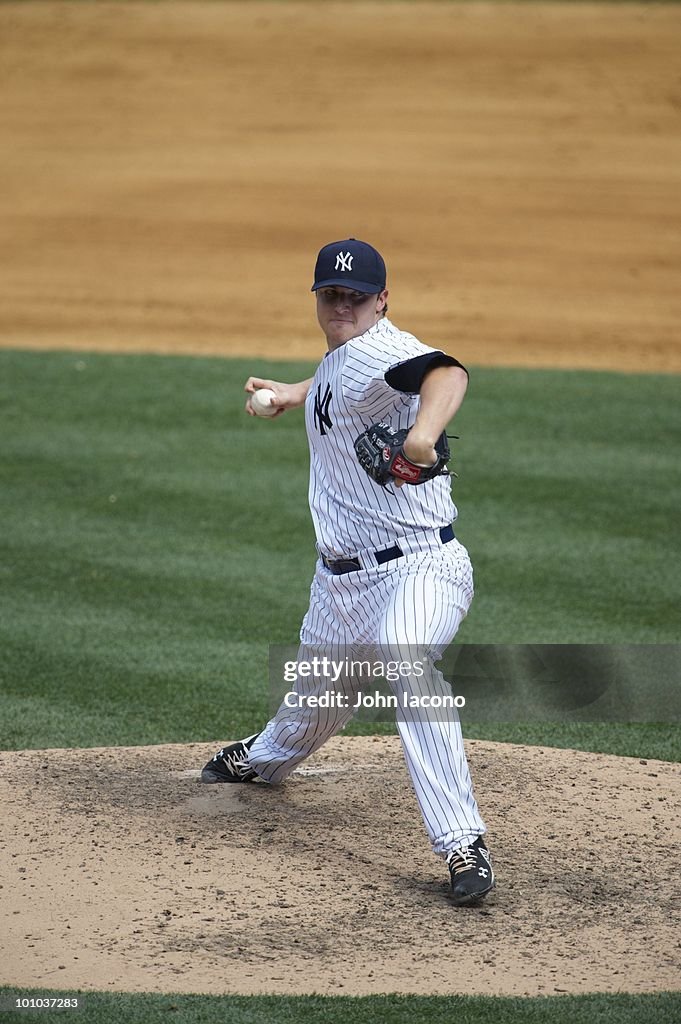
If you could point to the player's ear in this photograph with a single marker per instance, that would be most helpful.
(382, 301)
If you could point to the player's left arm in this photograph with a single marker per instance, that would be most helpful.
(442, 391)
(440, 381)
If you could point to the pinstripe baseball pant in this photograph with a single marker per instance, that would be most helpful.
(413, 603)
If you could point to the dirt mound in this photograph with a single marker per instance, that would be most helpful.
(123, 872)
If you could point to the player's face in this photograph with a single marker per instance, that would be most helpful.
(344, 314)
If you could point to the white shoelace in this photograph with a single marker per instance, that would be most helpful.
(461, 860)
(235, 763)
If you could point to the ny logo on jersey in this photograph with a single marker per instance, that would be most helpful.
(344, 261)
(322, 420)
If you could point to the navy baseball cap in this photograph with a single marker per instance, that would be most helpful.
(350, 264)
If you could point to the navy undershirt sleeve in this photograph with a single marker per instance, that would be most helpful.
(408, 376)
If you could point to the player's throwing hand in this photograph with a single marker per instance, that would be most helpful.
(286, 396)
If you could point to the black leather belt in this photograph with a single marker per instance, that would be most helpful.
(339, 566)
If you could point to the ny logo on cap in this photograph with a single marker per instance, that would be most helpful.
(344, 261)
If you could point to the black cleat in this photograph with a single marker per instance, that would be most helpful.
(471, 873)
(231, 763)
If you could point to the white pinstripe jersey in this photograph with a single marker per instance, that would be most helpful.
(350, 512)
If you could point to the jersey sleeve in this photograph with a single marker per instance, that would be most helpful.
(367, 364)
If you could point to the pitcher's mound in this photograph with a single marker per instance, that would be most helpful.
(122, 871)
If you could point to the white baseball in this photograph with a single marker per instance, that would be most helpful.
(260, 402)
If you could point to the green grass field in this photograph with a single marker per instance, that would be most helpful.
(103, 1008)
(155, 540)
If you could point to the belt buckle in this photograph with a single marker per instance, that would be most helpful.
(339, 566)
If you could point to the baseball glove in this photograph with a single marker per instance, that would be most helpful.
(380, 452)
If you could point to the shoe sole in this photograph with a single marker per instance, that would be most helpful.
(472, 899)
(213, 777)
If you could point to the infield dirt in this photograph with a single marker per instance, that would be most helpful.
(168, 173)
(124, 872)
(170, 170)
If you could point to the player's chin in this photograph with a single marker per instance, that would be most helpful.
(341, 330)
